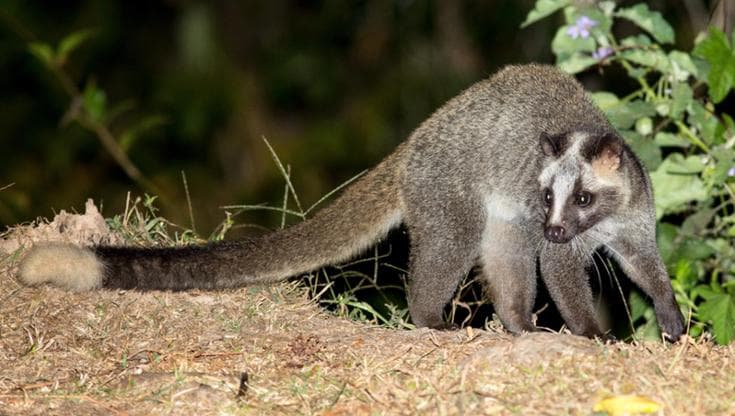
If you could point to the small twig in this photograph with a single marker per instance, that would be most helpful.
(330, 193)
(285, 175)
(262, 207)
(285, 197)
(188, 202)
(39, 384)
(334, 401)
(418, 360)
(183, 392)
(244, 384)
(370, 394)
(215, 354)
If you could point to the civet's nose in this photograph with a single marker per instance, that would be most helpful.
(556, 234)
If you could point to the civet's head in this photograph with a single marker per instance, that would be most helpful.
(581, 182)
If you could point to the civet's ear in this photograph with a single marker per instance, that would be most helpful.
(604, 153)
(553, 144)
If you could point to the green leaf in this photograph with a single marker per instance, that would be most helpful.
(664, 139)
(577, 62)
(681, 96)
(128, 138)
(652, 58)
(71, 42)
(702, 67)
(43, 52)
(685, 166)
(95, 103)
(686, 273)
(693, 249)
(649, 330)
(665, 240)
(638, 41)
(542, 9)
(650, 21)
(725, 252)
(716, 50)
(719, 173)
(706, 292)
(604, 100)
(639, 306)
(704, 122)
(607, 7)
(676, 184)
(697, 222)
(719, 309)
(646, 150)
(636, 71)
(641, 309)
(724, 159)
(625, 114)
(726, 130)
(695, 331)
(682, 65)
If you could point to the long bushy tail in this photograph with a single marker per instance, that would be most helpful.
(363, 214)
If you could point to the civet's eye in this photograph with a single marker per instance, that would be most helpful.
(548, 197)
(584, 199)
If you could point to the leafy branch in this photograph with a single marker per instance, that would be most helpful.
(88, 107)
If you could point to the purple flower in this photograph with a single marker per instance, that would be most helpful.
(602, 52)
(581, 27)
(731, 172)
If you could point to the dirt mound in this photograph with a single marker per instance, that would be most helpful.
(83, 229)
(269, 350)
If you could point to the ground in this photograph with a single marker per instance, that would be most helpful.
(269, 350)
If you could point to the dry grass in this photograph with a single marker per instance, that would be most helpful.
(124, 352)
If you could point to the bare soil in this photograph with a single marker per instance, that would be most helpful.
(269, 350)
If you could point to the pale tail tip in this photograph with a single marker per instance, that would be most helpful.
(63, 265)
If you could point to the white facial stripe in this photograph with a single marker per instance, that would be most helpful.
(545, 177)
(576, 138)
(572, 153)
(562, 188)
(564, 172)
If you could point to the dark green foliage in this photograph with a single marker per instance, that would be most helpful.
(720, 56)
(195, 86)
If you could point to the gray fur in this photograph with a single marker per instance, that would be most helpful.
(468, 184)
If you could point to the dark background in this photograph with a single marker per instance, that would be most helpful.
(334, 86)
